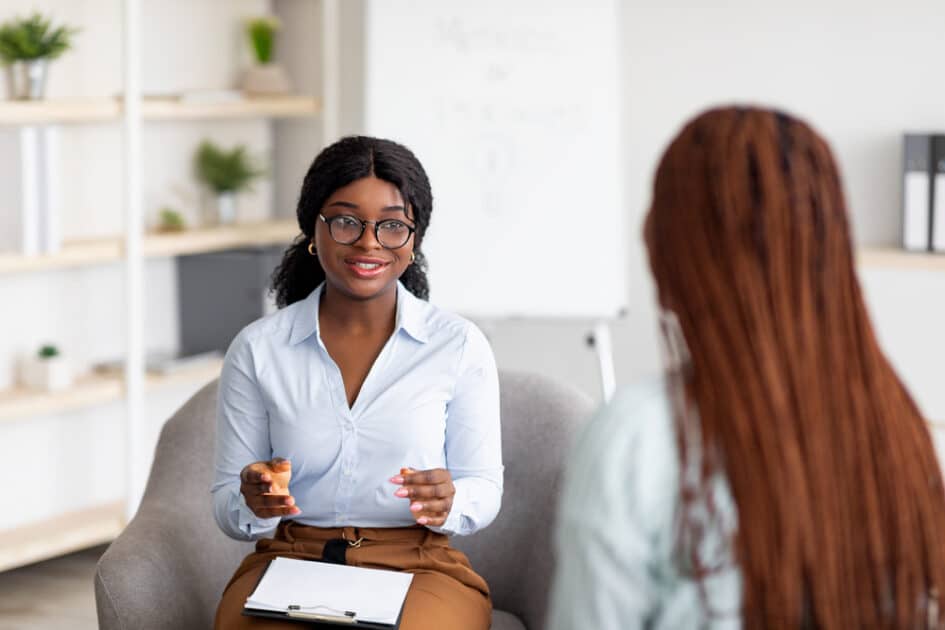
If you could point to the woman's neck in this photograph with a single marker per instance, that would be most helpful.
(358, 316)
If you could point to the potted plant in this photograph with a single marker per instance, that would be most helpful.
(226, 173)
(170, 220)
(27, 45)
(47, 370)
(265, 77)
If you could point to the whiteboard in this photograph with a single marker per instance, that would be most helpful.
(512, 107)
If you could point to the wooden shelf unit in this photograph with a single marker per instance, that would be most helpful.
(60, 535)
(95, 389)
(111, 250)
(106, 110)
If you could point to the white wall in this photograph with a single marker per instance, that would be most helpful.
(862, 73)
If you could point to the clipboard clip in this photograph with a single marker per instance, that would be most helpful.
(310, 613)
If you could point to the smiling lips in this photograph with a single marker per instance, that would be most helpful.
(364, 267)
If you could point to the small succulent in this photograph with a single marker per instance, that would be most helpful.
(26, 39)
(171, 220)
(48, 351)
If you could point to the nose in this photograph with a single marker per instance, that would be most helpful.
(368, 239)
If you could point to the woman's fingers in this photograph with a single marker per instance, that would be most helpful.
(431, 508)
(256, 472)
(426, 492)
(431, 477)
(270, 512)
(433, 520)
(273, 500)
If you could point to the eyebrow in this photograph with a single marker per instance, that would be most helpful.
(354, 206)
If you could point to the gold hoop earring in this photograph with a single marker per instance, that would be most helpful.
(413, 257)
(311, 248)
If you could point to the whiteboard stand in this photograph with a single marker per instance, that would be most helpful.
(600, 340)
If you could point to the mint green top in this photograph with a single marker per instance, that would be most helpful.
(616, 543)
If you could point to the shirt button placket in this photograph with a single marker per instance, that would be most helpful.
(348, 450)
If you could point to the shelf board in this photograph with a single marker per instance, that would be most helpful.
(96, 389)
(72, 254)
(59, 111)
(256, 107)
(111, 250)
(891, 258)
(110, 110)
(197, 241)
(60, 535)
(87, 391)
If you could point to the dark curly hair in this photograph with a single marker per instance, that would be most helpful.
(345, 161)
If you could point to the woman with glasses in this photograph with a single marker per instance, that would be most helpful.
(359, 424)
(779, 475)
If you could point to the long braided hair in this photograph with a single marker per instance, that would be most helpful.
(345, 161)
(839, 495)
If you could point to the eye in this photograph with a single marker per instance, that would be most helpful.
(393, 225)
(347, 222)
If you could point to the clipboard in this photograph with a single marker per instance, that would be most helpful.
(318, 616)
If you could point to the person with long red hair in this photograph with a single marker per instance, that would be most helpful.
(779, 474)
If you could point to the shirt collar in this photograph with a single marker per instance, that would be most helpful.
(410, 316)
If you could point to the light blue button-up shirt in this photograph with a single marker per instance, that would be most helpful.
(431, 400)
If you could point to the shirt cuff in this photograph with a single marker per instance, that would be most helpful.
(252, 525)
(455, 521)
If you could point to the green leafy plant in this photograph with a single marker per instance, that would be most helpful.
(26, 39)
(171, 220)
(262, 35)
(48, 351)
(225, 171)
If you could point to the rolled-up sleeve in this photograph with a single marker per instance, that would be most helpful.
(474, 439)
(242, 438)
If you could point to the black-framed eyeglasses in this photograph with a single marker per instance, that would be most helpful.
(346, 230)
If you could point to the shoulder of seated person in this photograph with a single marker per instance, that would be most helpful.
(626, 457)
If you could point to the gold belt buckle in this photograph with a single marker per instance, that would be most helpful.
(355, 544)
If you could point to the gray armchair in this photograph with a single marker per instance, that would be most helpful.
(169, 566)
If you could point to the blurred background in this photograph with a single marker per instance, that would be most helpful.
(151, 155)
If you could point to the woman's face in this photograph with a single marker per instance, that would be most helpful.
(364, 269)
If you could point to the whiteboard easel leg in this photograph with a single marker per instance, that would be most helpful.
(600, 340)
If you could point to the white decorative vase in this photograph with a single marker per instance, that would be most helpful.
(48, 374)
(26, 80)
(266, 80)
(226, 208)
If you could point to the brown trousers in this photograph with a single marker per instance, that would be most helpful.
(445, 593)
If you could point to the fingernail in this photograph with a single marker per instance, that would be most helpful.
(423, 520)
(402, 492)
(266, 478)
(290, 501)
(296, 510)
(270, 489)
(416, 507)
(397, 479)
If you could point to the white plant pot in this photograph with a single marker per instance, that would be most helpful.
(49, 374)
(267, 79)
(226, 208)
(26, 80)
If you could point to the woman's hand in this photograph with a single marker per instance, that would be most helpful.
(265, 486)
(430, 493)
